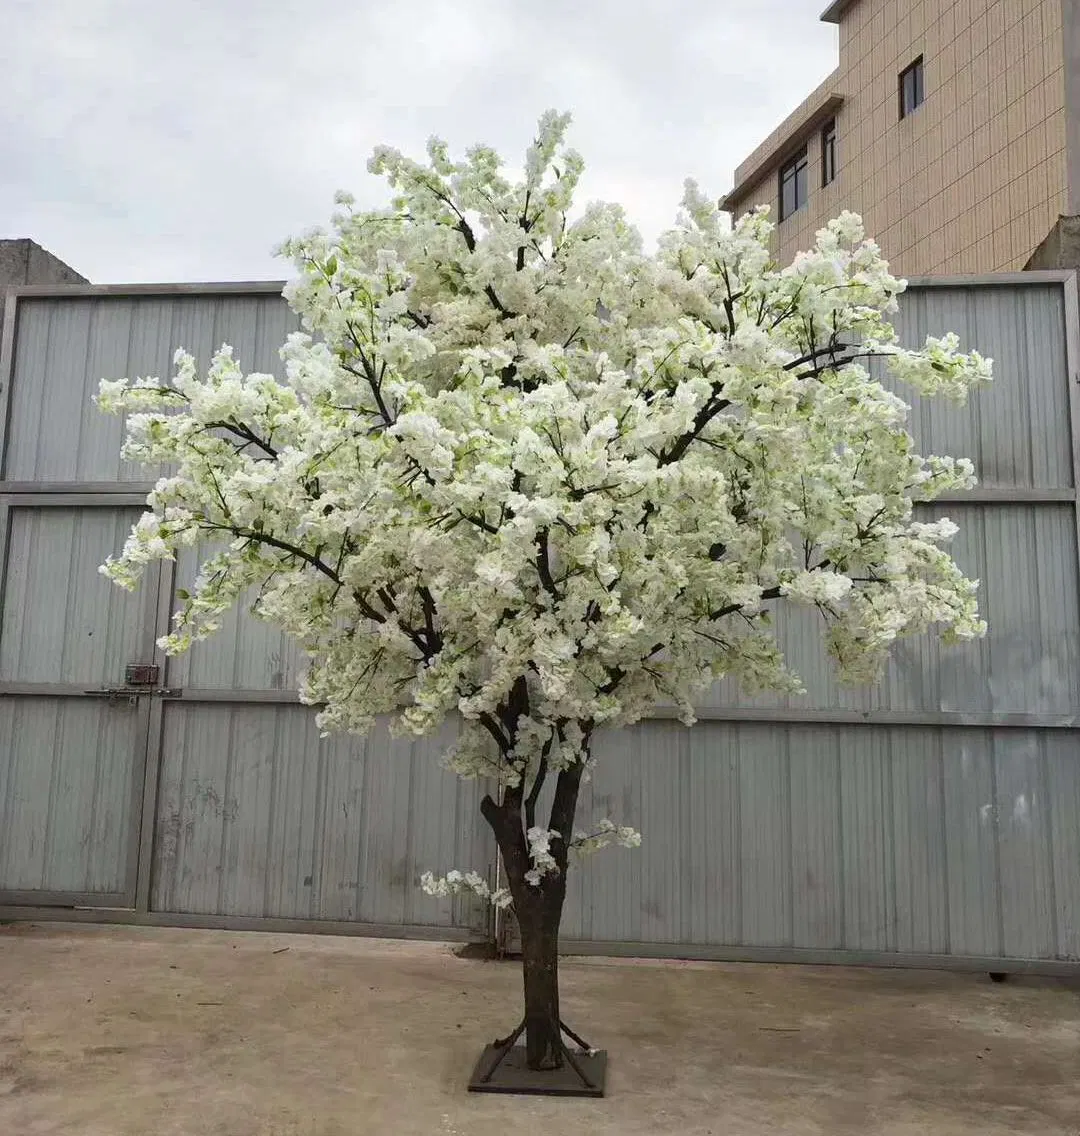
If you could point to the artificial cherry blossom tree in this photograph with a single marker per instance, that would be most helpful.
(523, 473)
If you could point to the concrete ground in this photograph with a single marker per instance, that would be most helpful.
(131, 1032)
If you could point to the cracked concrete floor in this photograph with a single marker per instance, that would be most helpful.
(130, 1031)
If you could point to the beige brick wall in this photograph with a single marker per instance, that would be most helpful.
(975, 178)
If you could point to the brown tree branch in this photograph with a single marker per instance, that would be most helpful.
(730, 609)
(245, 432)
(709, 410)
(274, 542)
(563, 808)
(534, 792)
(492, 727)
(543, 564)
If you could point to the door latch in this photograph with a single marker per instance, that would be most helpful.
(139, 679)
(116, 694)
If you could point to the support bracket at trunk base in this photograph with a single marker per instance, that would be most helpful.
(502, 1069)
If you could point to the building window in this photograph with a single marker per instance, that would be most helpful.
(793, 184)
(912, 89)
(828, 152)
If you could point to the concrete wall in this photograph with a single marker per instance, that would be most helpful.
(23, 261)
(975, 178)
(1060, 248)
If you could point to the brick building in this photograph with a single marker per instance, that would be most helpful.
(952, 126)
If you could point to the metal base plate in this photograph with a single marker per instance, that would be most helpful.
(514, 1076)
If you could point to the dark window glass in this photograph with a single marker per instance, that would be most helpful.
(828, 152)
(912, 88)
(794, 186)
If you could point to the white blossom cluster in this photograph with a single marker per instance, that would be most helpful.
(606, 832)
(512, 450)
(539, 842)
(455, 882)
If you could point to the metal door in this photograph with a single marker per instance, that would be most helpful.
(257, 817)
(75, 711)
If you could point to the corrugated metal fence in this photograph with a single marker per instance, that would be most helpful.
(935, 819)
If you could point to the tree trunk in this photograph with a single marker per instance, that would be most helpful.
(540, 970)
(538, 907)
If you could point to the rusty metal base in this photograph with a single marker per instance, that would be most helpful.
(512, 1075)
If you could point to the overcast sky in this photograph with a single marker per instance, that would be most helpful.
(162, 140)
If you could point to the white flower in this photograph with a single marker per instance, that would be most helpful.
(817, 587)
(455, 882)
(941, 530)
(539, 841)
(606, 832)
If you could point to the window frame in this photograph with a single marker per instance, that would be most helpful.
(917, 71)
(828, 153)
(798, 163)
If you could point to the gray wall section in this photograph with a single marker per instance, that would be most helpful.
(248, 654)
(900, 832)
(23, 261)
(65, 794)
(1029, 662)
(68, 763)
(66, 345)
(63, 622)
(259, 816)
(859, 838)
(1060, 248)
(1013, 430)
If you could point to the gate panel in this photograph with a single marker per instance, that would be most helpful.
(258, 816)
(71, 759)
(66, 775)
(66, 344)
(862, 841)
(1029, 663)
(1063, 793)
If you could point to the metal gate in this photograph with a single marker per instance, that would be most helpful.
(191, 790)
(934, 820)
